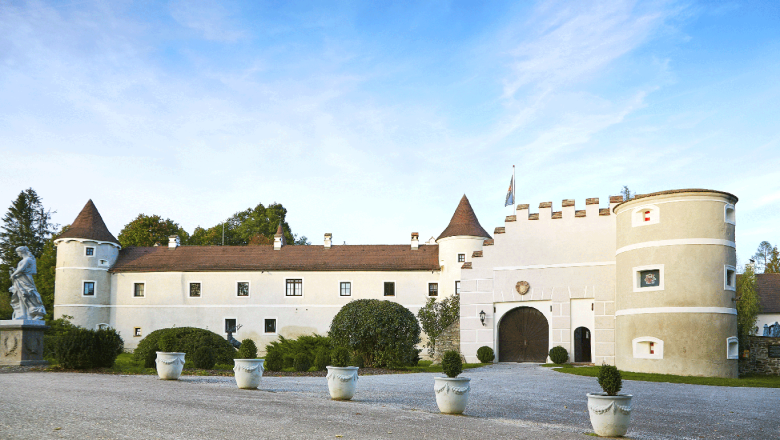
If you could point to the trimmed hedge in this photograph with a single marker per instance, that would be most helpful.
(185, 340)
(80, 348)
(451, 363)
(383, 333)
(559, 355)
(486, 354)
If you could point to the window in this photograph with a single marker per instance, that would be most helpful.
(648, 347)
(89, 288)
(457, 287)
(732, 348)
(730, 278)
(242, 288)
(89, 251)
(270, 325)
(104, 262)
(645, 215)
(137, 332)
(345, 288)
(730, 217)
(649, 278)
(433, 289)
(194, 290)
(461, 258)
(230, 325)
(138, 290)
(389, 288)
(294, 287)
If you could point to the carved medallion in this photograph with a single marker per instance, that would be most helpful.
(35, 346)
(522, 287)
(10, 345)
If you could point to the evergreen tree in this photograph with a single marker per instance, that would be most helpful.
(762, 256)
(773, 265)
(748, 305)
(26, 223)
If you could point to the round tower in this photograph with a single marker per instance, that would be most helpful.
(85, 252)
(676, 284)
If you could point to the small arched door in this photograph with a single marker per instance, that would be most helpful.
(523, 336)
(582, 344)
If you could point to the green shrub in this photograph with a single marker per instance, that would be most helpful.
(204, 357)
(289, 360)
(302, 362)
(322, 359)
(383, 332)
(610, 379)
(357, 360)
(57, 328)
(340, 357)
(80, 348)
(274, 361)
(451, 363)
(559, 355)
(287, 349)
(485, 354)
(248, 350)
(184, 340)
(435, 316)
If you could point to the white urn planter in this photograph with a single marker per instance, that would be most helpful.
(609, 415)
(248, 373)
(169, 364)
(342, 382)
(452, 394)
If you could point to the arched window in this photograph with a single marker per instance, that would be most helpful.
(648, 347)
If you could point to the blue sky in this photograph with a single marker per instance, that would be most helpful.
(370, 121)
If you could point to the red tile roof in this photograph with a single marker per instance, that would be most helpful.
(288, 258)
(89, 225)
(464, 222)
(768, 289)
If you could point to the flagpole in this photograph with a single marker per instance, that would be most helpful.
(514, 185)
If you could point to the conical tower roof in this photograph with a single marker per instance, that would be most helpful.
(89, 225)
(464, 222)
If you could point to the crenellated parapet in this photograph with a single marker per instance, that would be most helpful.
(568, 210)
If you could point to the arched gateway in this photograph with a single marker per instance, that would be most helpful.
(523, 336)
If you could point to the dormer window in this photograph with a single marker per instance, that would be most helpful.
(89, 251)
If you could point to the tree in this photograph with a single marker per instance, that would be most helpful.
(253, 227)
(26, 223)
(436, 316)
(148, 230)
(627, 194)
(47, 268)
(747, 305)
(762, 256)
(773, 265)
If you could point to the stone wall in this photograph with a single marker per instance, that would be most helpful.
(758, 361)
(449, 339)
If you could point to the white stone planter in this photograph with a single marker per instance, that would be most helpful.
(609, 415)
(342, 382)
(248, 373)
(169, 364)
(452, 394)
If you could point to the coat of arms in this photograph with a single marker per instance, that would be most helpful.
(522, 287)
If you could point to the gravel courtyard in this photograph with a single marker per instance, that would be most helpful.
(507, 401)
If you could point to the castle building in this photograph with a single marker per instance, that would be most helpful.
(646, 284)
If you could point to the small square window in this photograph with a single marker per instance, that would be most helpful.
(137, 332)
(389, 288)
(89, 288)
(270, 325)
(345, 288)
(230, 325)
(294, 287)
(139, 290)
(457, 287)
(90, 251)
(195, 290)
(433, 289)
(730, 281)
(242, 288)
(649, 278)
(461, 258)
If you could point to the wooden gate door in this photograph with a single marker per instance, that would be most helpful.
(581, 344)
(523, 336)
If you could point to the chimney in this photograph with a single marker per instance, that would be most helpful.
(415, 240)
(173, 242)
(328, 240)
(279, 240)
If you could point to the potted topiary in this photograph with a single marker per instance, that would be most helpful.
(610, 412)
(248, 369)
(452, 392)
(341, 378)
(169, 363)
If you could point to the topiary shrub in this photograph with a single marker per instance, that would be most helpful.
(302, 362)
(559, 355)
(274, 361)
(322, 359)
(340, 357)
(80, 348)
(451, 363)
(184, 340)
(248, 350)
(383, 332)
(204, 357)
(610, 379)
(485, 354)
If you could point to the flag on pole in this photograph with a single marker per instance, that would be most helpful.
(510, 194)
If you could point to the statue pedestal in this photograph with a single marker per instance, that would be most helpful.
(21, 342)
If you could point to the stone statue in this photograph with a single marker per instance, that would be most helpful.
(25, 299)
(775, 330)
(766, 330)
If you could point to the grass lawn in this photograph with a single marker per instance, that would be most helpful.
(744, 381)
(428, 367)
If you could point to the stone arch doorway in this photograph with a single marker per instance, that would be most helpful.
(582, 344)
(523, 336)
